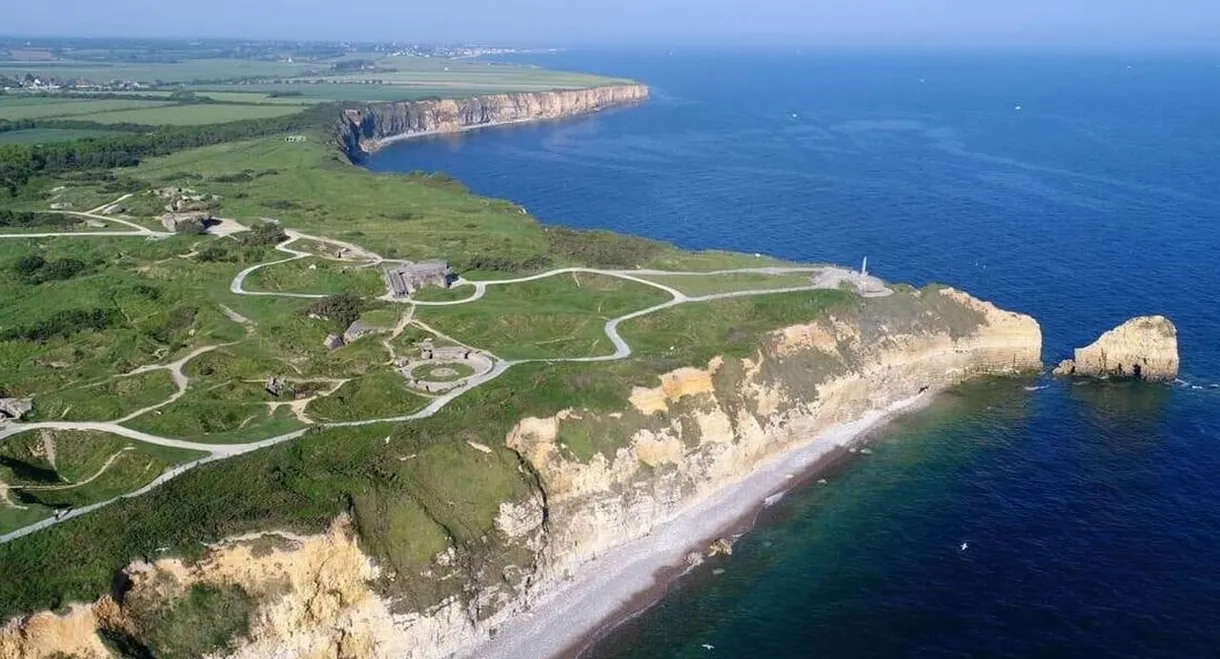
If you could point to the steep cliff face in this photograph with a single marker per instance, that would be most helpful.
(314, 599)
(702, 429)
(366, 129)
(1143, 348)
(599, 480)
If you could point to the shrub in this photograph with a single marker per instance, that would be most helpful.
(239, 177)
(62, 323)
(504, 264)
(20, 219)
(264, 233)
(207, 620)
(33, 269)
(342, 309)
(602, 248)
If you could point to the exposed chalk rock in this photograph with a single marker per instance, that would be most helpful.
(1143, 348)
(367, 129)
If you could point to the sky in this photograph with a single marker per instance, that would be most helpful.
(1064, 23)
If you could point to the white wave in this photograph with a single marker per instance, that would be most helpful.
(774, 498)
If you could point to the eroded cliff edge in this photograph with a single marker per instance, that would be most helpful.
(589, 479)
(364, 130)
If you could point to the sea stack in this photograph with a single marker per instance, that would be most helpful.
(1143, 348)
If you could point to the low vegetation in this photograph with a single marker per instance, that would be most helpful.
(25, 220)
(50, 471)
(560, 316)
(206, 619)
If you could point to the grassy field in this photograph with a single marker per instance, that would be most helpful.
(694, 333)
(46, 135)
(145, 306)
(379, 394)
(322, 93)
(729, 283)
(106, 400)
(76, 108)
(560, 316)
(251, 81)
(226, 412)
(257, 97)
(187, 115)
(313, 275)
(168, 72)
(49, 470)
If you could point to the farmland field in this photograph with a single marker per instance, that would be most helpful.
(321, 93)
(257, 97)
(47, 135)
(48, 107)
(191, 115)
(251, 81)
(169, 72)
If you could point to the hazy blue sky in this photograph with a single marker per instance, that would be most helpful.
(1139, 23)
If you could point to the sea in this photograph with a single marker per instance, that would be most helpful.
(1011, 519)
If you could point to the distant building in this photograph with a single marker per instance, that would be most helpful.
(406, 279)
(295, 138)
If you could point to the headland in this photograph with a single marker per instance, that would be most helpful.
(367, 129)
(640, 399)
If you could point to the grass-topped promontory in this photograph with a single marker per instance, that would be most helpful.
(413, 216)
(159, 328)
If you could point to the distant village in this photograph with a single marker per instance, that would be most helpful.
(32, 83)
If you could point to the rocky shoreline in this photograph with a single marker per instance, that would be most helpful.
(631, 577)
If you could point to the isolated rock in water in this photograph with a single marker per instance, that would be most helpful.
(1143, 348)
(721, 547)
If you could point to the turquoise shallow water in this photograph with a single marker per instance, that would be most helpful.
(1091, 513)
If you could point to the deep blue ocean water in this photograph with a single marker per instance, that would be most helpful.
(1091, 512)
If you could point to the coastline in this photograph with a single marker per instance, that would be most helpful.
(364, 131)
(632, 577)
(373, 146)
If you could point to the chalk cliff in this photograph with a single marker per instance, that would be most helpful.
(597, 479)
(1143, 348)
(366, 129)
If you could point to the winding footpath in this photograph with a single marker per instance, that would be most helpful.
(363, 258)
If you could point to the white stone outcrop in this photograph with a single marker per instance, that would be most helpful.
(1143, 348)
